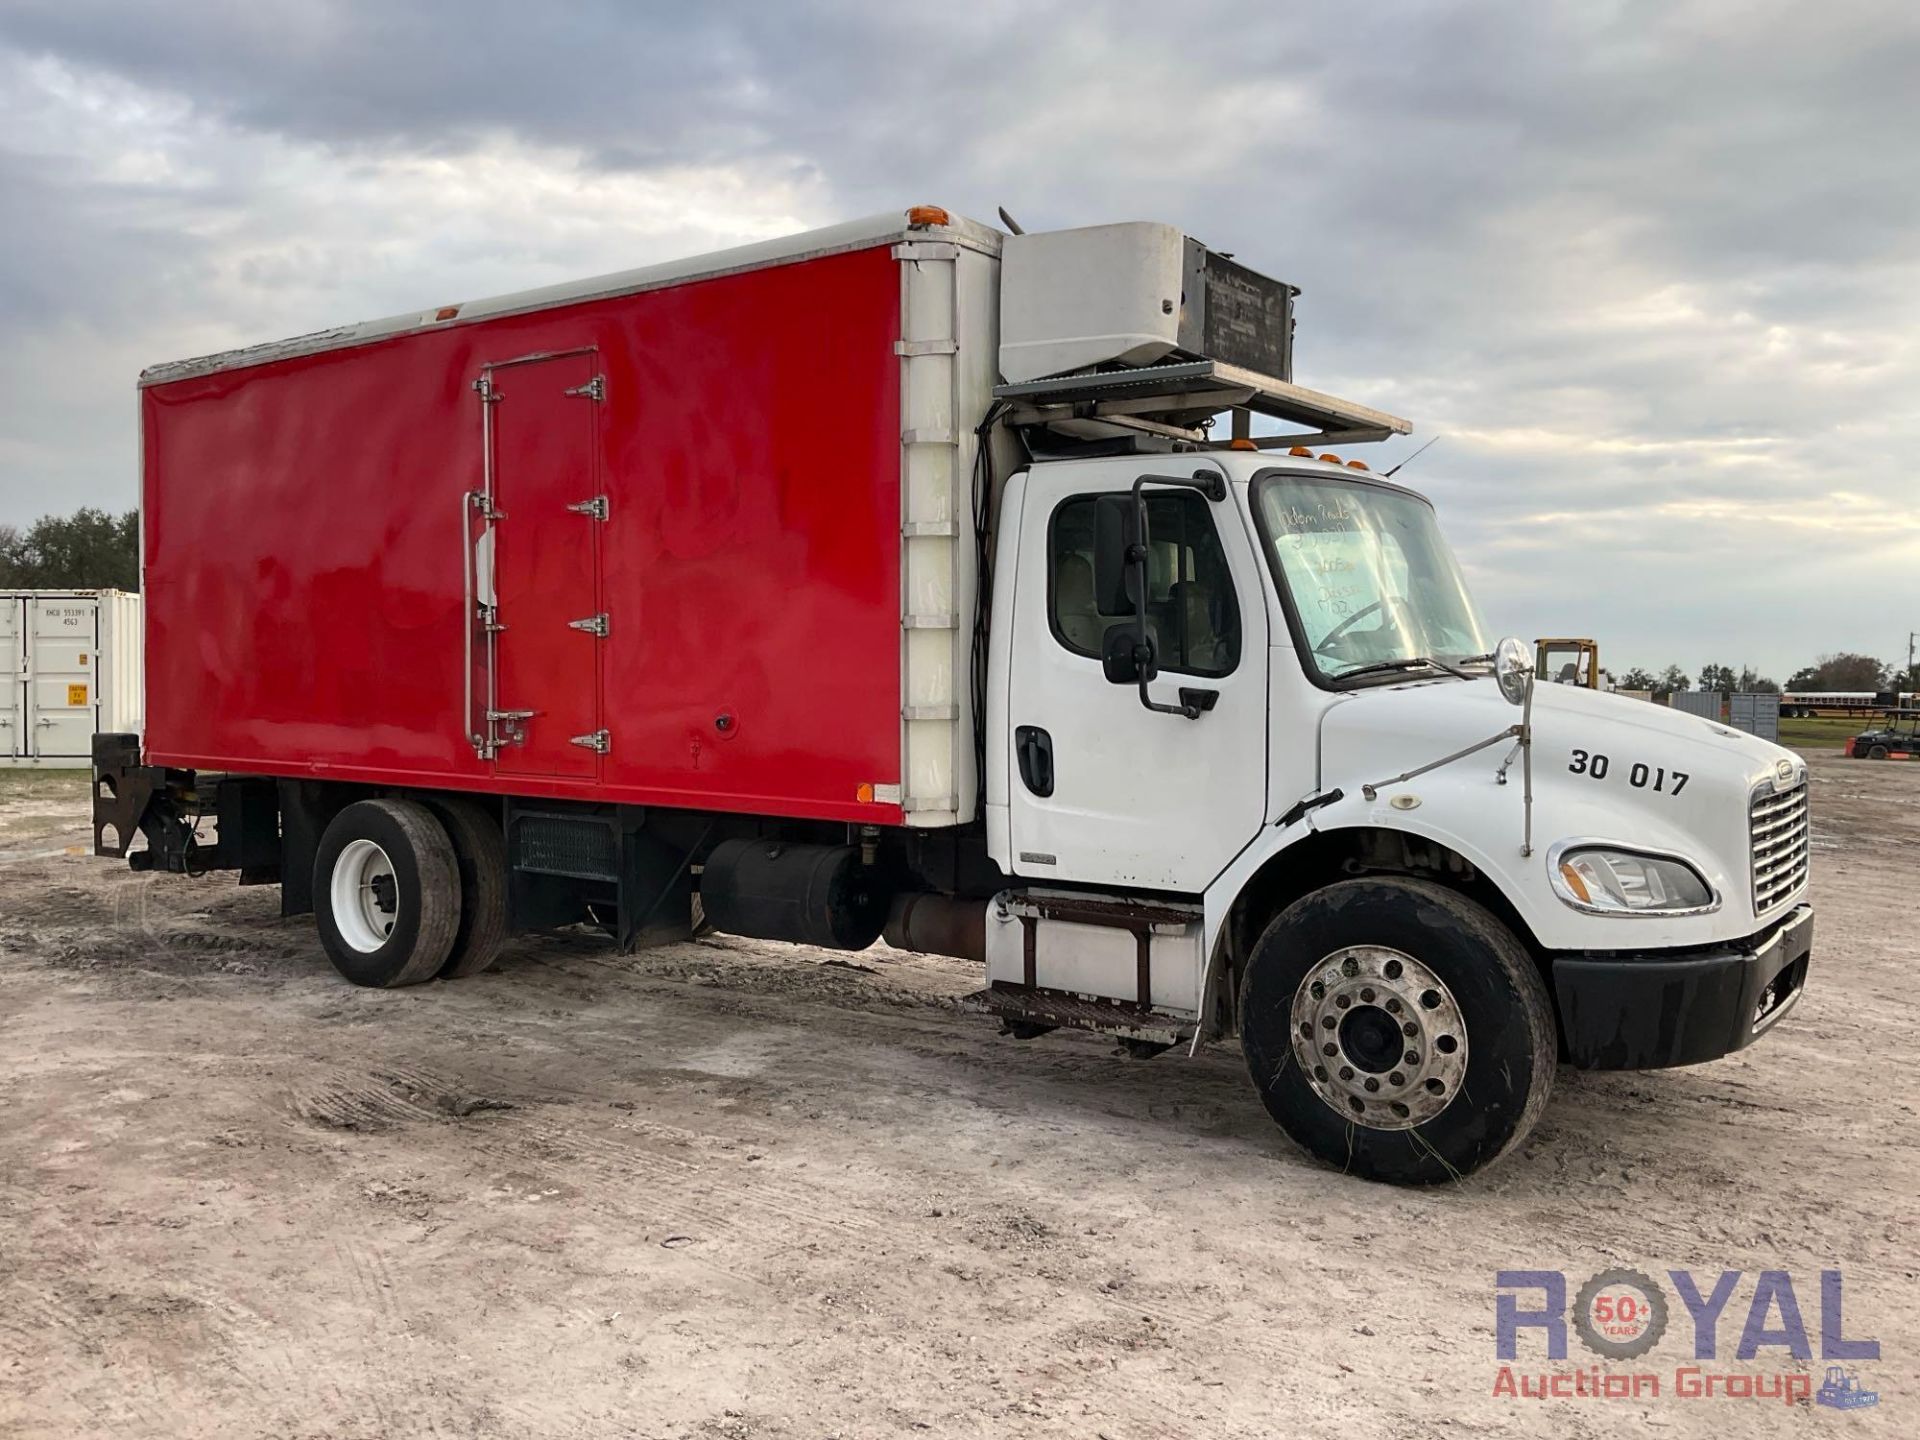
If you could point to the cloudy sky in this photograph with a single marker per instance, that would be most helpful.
(1650, 270)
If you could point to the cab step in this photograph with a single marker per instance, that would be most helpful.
(1032, 1012)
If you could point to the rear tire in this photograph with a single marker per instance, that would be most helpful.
(1876, 752)
(480, 849)
(386, 893)
(1397, 1030)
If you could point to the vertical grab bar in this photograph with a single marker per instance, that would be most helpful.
(484, 742)
(467, 615)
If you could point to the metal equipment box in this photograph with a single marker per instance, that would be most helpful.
(1134, 295)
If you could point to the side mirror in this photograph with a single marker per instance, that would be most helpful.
(1116, 531)
(1513, 669)
(1120, 656)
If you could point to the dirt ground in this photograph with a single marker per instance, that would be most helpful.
(730, 1190)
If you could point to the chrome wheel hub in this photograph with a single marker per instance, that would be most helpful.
(1379, 1037)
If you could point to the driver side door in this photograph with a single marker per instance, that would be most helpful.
(1101, 789)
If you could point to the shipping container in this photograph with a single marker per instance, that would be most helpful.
(70, 665)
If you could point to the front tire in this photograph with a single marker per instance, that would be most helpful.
(1876, 752)
(1397, 1030)
(386, 893)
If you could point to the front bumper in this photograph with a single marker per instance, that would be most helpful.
(1646, 1012)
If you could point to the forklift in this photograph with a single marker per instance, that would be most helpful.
(1568, 662)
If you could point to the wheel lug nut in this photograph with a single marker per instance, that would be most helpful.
(1393, 1006)
(1343, 1001)
(1409, 1029)
(1396, 1078)
(1412, 1057)
(1372, 1084)
(1329, 1049)
(1346, 1072)
(1367, 994)
(1328, 1023)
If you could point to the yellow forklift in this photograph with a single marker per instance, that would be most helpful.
(1567, 662)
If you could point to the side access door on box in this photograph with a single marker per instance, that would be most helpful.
(540, 565)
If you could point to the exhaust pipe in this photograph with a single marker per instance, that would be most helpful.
(938, 925)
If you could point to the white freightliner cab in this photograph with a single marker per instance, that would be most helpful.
(1259, 679)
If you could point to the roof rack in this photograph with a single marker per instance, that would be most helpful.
(1175, 401)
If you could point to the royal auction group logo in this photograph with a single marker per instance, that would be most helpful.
(1622, 1315)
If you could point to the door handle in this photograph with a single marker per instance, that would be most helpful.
(1034, 749)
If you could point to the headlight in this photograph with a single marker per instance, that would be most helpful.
(1605, 881)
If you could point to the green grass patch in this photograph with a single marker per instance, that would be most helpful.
(1819, 733)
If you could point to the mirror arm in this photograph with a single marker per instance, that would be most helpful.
(1212, 484)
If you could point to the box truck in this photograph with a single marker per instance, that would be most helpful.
(893, 578)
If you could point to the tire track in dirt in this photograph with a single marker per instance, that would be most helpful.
(729, 1211)
(715, 1199)
(70, 1346)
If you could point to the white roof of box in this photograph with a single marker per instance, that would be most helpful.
(890, 227)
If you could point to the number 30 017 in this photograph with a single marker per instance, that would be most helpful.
(1640, 775)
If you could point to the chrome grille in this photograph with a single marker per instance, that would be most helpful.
(1778, 821)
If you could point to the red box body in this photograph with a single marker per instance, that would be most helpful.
(305, 595)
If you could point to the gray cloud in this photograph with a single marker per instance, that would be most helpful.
(1650, 268)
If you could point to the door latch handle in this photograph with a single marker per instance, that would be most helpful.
(600, 742)
(1033, 747)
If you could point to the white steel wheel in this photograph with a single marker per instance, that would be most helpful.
(386, 890)
(365, 904)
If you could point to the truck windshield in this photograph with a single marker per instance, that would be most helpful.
(1367, 575)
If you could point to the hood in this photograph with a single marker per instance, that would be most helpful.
(1606, 770)
(1447, 714)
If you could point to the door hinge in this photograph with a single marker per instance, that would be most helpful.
(600, 742)
(594, 389)
(596, 508)
(593, 624)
